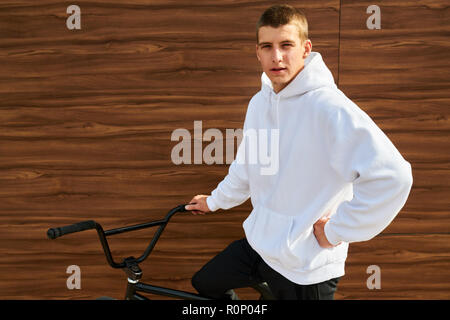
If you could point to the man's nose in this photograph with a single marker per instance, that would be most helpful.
(276, 55)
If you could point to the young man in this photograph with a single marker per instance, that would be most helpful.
(339, 180)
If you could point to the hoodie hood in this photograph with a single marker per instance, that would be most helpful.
(314, 75)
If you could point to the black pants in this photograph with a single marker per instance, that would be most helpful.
(239, 266)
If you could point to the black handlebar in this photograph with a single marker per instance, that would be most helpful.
(54, 233)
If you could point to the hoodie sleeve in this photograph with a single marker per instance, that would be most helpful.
(364, 156)
(234, 189)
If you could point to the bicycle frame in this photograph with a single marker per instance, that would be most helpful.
(134, 287)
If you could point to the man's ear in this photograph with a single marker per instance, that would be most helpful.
(257, 53)
(308, 48)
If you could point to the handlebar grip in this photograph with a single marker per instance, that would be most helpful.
(54, 233)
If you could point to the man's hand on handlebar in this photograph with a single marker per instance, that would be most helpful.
(198, 205)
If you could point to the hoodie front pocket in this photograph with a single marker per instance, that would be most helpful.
(306, 254)
(271, 235)
(267, 232)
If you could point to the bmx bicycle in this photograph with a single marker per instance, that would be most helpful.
(130, 265)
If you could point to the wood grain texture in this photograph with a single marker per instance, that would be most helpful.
(399, 76)
(86, 119)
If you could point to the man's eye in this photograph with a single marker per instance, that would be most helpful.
(266, 46)
(287, 45)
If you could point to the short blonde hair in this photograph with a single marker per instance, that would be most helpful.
(280, 15)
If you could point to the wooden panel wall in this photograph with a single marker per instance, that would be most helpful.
(399, 75)
(86, 118)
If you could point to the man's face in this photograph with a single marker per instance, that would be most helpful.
(281, 53)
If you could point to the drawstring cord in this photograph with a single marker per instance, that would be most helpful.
(278, 113)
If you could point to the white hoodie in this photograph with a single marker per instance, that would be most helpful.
(333, 161)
